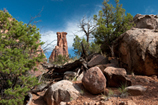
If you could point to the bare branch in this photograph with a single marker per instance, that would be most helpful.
(87, 25)
(32, 18)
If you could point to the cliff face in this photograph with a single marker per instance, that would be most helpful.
(61, 48)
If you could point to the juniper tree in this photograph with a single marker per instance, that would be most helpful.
(111, 23)
(18, 55)
(90, 47)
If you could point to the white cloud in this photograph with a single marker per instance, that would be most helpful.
(149, 10)
(71, 28)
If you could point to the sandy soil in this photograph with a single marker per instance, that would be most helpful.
(150, 97)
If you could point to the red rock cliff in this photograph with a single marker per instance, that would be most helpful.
(61, 48)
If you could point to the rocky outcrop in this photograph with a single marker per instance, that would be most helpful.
(94, 80)
(61, 48)
(138, 51)
(146, 21)
(138, 48)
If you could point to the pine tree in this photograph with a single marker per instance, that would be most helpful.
(90, 47)
(18, 55)
(111, 23)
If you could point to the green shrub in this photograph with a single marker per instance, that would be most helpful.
(60, 60)
(18, 55)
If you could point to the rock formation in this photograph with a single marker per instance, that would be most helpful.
(61, 48)
(138, 48)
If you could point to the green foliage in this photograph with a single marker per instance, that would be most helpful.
(123, 90)
(89, 47)
(18, 48)
(60, 60)
(111, 22)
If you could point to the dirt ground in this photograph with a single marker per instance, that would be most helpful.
(150, 97)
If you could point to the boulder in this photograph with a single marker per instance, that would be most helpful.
(137, 50)
(61, 91)
(146, 21)
(96, 60)
(135, 90)
(103, 66)
(116, 77)
(94, 80)
(61, 48)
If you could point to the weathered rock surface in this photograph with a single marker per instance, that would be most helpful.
(135, 90)
(103, 66)
(116, 77)
(61, 48)
(138, 51)
(61, 91)
(97, 59)
(94, 80)
(146, 21)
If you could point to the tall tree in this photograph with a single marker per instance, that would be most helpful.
(89, 47)
(111, 23)
(18, 55)
(87, 25)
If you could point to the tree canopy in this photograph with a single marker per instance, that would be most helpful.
(90, 47)
(18, 56)
(111, 23)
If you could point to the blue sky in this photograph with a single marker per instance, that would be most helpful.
(64, 15)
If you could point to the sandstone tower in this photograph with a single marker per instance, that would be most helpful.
(61, 48)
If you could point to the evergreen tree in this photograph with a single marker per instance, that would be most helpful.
(111, 23)
(89, 47)
(18, 55)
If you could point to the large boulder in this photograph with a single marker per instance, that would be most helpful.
(146, 21)
(61, 91)
(116, 77)
(97, 59)
(94, 80)
(138, 51)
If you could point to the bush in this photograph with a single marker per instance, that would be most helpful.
(60, 60)
(18, 55)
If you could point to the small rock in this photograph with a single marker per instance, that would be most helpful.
(97, 103)
(62, 103)
(85, 103)
(122, 103)
(105, 103)
(154, 77)
(135, 90)
(130, 102)
(68, 103)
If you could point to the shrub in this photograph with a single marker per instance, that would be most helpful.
(18, 55)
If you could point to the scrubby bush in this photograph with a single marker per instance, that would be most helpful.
(18, 55)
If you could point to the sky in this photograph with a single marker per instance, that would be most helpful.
(65, 15)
